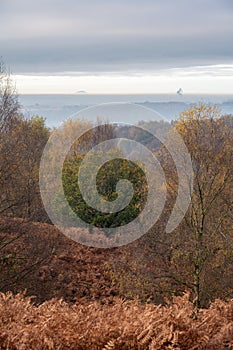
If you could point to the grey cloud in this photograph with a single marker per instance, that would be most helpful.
(109, 36)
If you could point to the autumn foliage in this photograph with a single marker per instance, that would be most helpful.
(123, 325)
(119, 298)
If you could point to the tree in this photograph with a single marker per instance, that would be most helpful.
(9, 105)
(9, 114)
(204, 239)
(106, 181)
(21, 145)
(20, 154)
(198, 254)
(108, 176)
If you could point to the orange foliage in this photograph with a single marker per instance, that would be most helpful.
(123, 325)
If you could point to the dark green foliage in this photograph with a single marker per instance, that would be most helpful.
(106, 180)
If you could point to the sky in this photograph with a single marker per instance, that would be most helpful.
(123, 46)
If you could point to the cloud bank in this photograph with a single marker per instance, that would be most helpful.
(124, 36)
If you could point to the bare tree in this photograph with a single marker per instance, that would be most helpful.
(9, 105)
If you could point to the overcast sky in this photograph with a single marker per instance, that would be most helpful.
(123, 40)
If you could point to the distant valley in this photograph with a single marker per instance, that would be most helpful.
(57, 108)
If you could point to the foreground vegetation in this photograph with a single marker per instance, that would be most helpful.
(122, 325)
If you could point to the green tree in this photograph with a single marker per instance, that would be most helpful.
(106, 181)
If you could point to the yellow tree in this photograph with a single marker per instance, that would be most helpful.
(205, 234)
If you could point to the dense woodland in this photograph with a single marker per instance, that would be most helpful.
(196, 258)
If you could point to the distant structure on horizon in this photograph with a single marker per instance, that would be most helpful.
(179, 92)
(81, 92)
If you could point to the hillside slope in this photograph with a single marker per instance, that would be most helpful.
(47, 264)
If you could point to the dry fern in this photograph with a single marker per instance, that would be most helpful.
(125, 325)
